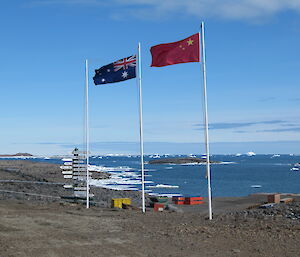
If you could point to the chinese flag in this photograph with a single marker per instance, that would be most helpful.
(186, 50)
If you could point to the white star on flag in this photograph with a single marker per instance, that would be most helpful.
(124, 74)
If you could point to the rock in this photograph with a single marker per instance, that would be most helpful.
(236, 250)
(173, 208)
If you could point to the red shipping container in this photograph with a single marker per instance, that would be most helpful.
(196, 198)
(178, 198)
(159, 207)
(193, 200)
(181, 202)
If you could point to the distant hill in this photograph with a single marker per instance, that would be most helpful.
(15, 155)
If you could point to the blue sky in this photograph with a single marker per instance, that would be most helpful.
(253, 60)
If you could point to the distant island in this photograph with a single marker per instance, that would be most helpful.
(179, 161)
(15, 155)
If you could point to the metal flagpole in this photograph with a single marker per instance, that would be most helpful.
(139, 80)
(202, 47)
(87, 133)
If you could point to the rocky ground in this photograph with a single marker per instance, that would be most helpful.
(44, 182)
(38, 226)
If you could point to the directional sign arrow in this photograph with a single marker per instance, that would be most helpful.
(66, 167)
(82, 194)
(68, 186)
(75, 165)
(66, 159)
(79, 169)
(80, 188)
(67, 172)
(78, 157)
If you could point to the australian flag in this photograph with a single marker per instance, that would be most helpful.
(120, 70)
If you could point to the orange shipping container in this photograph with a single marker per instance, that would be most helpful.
(181, 202)
(194, 202)
(178, 198)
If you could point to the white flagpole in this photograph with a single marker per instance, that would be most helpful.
(139, 80)
(87, 133)
(202, 45)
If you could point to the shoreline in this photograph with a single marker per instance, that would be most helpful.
(45, 179)
(127, 180)
(45, 172)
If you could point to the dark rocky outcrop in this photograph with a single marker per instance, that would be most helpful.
(15, 155)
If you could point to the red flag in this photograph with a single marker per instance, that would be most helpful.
(186, 50)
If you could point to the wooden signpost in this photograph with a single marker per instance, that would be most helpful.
(74, 171)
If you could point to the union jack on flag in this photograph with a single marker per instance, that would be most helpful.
(125, 63)
(120, 70)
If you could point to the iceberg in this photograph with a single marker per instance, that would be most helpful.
(251, 154)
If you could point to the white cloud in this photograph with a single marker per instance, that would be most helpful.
(226, 9)
(229, 9)
(66, 2)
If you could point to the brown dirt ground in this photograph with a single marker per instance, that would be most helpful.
(38, 227)
(67, 230)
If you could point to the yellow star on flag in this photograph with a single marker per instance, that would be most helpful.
(190, 42)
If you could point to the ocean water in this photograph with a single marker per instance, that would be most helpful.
(234, 176)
